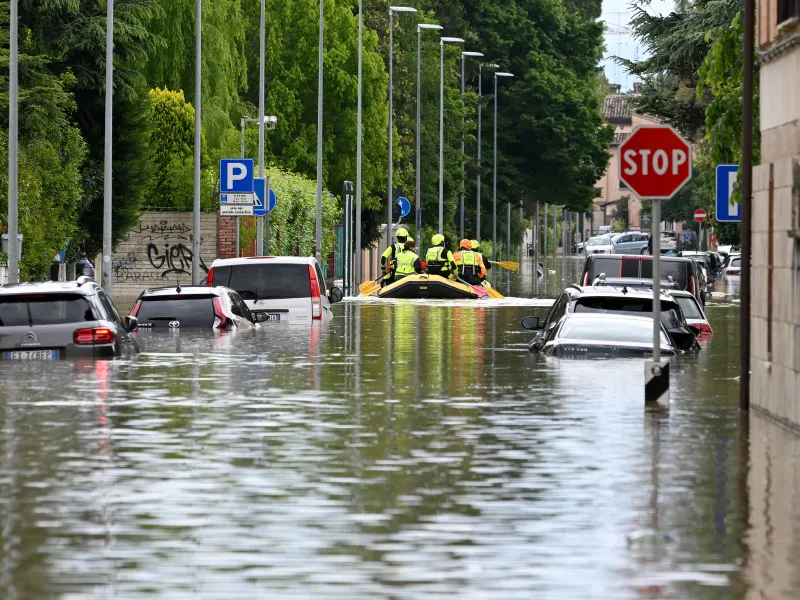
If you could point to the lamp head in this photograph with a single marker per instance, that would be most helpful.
(472, 54)
(452, 40)
(503, 74)
(428, 26)
(402, 9)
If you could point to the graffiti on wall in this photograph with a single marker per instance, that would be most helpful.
(156, 252)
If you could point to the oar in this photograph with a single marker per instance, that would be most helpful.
(370, 287)
(506, 264)
(493, 293)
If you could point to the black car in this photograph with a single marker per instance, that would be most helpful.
(203, 307)
(579, 335)
(53, 320)
(684, 271)
(622, 300)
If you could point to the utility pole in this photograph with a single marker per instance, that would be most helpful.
(198, 103)
(107, 148)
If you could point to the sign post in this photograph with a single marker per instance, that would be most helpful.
(655, 162)
(700, 216)
(349, 207)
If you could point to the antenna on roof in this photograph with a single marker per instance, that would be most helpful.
(178, 281)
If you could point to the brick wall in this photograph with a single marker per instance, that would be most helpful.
(158, 251)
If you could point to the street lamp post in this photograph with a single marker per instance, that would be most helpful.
(442, 42)
(494, 166)
(463, 162)
(390, 192)
(261, 43)
(107, 150)
(478, 182)
(418, 207)
(318, 232)
(269, 123)
(198, 104)
(13, 140)
(357, 280)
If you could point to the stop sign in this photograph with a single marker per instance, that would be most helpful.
(655, 162)
(700, 215)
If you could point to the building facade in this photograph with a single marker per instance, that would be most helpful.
(775, 283)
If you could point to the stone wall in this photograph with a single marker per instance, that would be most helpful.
(158, 251)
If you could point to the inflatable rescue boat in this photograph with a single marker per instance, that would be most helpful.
(431, 286)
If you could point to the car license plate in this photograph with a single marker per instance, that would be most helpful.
(273, 317)
(31, 355)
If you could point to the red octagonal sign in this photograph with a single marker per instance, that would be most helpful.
(655, 162)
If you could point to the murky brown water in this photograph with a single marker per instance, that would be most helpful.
(406, 450)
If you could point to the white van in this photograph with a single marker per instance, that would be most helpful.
(287, 288)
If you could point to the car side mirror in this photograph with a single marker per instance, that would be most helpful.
(261, 317)
(131, 323)
(531, 323)
(335, 295)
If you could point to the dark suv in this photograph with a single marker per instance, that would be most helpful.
(52, 320)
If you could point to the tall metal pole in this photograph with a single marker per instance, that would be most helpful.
(389, 192)
(236, 225)
(478, 166)
(318, 238)
(441, 136)
(656, 280)
(746, 201)
(494, 177)
(555, 241)
(260, 220)
(536, 234)
(508, 231)
(417, 196)
(13, 132)
(198, 103)
(463, 162)
(108, 147)
(358, 145)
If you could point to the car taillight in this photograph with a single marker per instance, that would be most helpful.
(210, 277)
(586, 278)
(136, 307)
(316, 300)
(703, 327)
(733, 272)
(95, 335)
(224, 322)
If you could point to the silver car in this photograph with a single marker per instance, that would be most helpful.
(631, 243)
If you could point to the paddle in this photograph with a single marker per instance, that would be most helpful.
(492, 293)
(370, 287)
(506, 264)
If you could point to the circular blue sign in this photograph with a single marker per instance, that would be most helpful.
(405, 206)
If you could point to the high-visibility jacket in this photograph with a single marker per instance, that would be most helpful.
(484, 264)
(467, 263)
(406, 263)
(440, 261)
(389, 257)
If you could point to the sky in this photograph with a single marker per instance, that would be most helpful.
(617, 13)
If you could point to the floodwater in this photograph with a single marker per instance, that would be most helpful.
(404, 450)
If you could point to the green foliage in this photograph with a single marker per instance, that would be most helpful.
(621, 213)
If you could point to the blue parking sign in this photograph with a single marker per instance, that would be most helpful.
(236, 176)
(727, 206)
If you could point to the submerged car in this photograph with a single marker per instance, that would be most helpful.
(600, 244)
(192, 307)
(288, 289)
(633, 242)
(590, 335)
(623, 300)
(57, 320)
(732, 265)
(693, 313)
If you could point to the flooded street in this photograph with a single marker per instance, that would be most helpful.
(407, 449)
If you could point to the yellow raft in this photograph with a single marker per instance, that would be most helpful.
(431, 286)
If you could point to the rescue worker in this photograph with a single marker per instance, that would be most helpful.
(485, 264)
(439, 260)
(407, 262)
(390, 255)
(467, 262)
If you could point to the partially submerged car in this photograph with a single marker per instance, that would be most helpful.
(591, 335)
(693, 312)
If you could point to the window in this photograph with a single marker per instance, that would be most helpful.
(267, 281)
(110, 309)
(44, 309)
(235, 308)
(689, 306)
(788, 9)
(188, 311)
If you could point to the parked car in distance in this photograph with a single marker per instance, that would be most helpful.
(192, 307)
(288, 289)
(630, 282)
(693, 312)
(599, 244)
(682, 270)
(706, 258)
(62, 320)
(669, 241)
(608, 300)
(727, 249)
(593, 335)
(632, 242)
(734, 265)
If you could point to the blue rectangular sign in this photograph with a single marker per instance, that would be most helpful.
(727, 208)
(236, 176)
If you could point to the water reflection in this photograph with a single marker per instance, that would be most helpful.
(406, 450)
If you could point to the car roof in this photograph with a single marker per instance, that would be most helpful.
(249, 260)
(189, 290)
(87, 287)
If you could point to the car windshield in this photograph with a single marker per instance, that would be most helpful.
(631, 306)
(611, 330)
(266, 281)
(599, 241)
(736, 262)
(177, 311)
(27, 310)
(689, 306)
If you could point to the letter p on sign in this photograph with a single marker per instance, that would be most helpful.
(236, 176)
(655, 162)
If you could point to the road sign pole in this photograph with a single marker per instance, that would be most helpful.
(261, 44)
(198, 103)
(13, 138)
